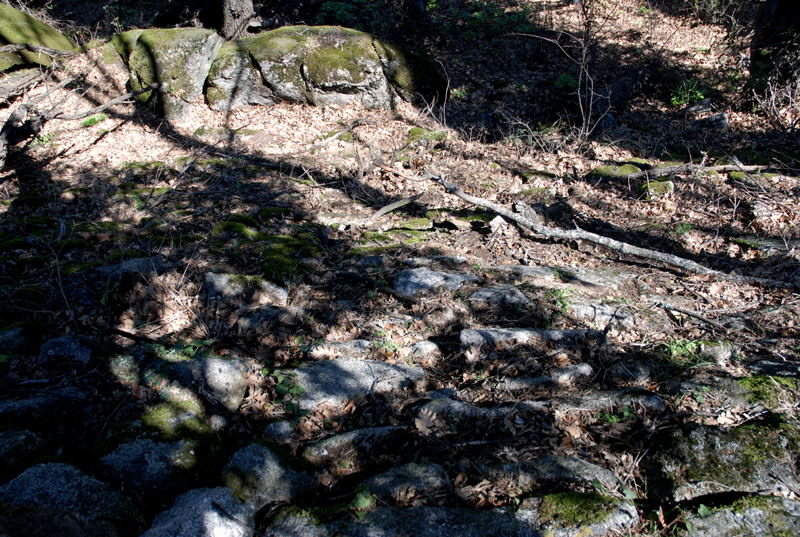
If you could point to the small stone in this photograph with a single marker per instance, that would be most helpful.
(350, 452)
(17, 449)
(196, 513)
(257, 476)
(219, 380)
(139, 265)
(66, 348)
(634, 372)
(250, 291)
(279, 432)
(423, 280)
(150, 466)
(426, 353)
(357, 348)
(411, 484)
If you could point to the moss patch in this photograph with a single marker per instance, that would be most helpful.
(768, 390)
(17, 27)
(614, 170)
(418, 133)
(575, 509)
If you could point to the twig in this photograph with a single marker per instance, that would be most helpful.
(37, 49)
(325, 141)
(392, 206)
(625, 248)
(691, 313)
(109, 104)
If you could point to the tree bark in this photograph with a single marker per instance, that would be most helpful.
(236, 14)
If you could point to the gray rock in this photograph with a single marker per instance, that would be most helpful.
(17, 449)
(478, 344)
(424, 280)
(633, 371)
(350, 452)
(257, 476)
(279, 432)
(719, 352)
(439, 521)
(426, 353)
(522, 384)
(357, 348)
(411, 484)
(749, 517)
(601, 401)
(148, 466)
(543, 472)
(602, 515)
(697, 461)
(599, 315)
(64, 349)
(245, 291)
(12, 341)
(263, 321)
(500, 295)
(65, 487)
(567, 376)
(779, 369)
(336, 381)
(42, 407)
(233, 81)
(718, 121)
(139, 265)
(218, 380)
(195, 514)
(178, 59)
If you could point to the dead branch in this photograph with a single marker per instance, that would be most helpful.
(335, 136)
(36, 49)
(619, 246)
(690, 168)
(691, 313)
(119, 100)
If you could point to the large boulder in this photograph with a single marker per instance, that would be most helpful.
(178, 59)
(18, 28)
(320, 65)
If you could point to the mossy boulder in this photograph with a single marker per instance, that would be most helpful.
(660, 188)
(698, 460)
(750, 516)
(320, 65)
(178, 59)
(18, 28)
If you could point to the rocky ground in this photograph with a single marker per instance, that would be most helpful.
(208, 328)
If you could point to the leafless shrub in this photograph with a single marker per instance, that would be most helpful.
(780, 102)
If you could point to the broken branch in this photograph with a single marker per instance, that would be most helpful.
(613, 244)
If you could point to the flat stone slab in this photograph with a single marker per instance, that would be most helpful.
(196, 513)
(336, 381)
(424, 280)
(500, 295)
(542, 472)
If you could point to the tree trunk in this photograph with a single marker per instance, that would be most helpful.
(236, 15)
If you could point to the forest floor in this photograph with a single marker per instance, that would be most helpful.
(285, 193)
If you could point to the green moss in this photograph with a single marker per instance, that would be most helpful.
(768, 390)
(418, 133)
(172, 421)
(237, 228)
(277, 45)
(415, 224)
(613, 171)
(329, 65)
(17, 27)
(283, 255)
(475, 216)
(658, 188)
(269, 213)
(575, 509)
(375, 250)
